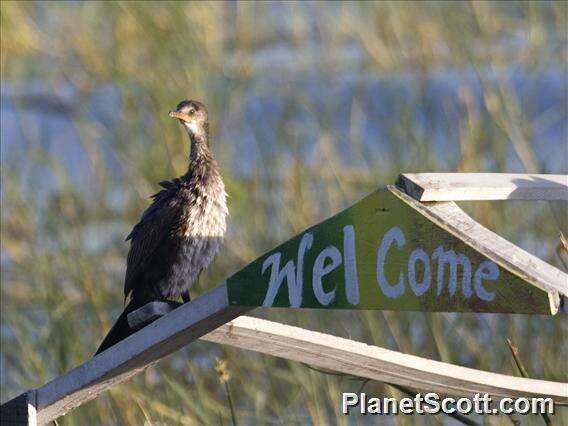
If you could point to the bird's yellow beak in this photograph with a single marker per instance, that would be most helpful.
(179, 115)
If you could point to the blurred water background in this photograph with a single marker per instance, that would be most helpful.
(313, 106)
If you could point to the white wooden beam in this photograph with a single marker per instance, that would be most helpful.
(373, 362)
(483, 186)
(129, 357)
(450, 217)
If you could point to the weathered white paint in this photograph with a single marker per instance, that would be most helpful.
(373, 362)
(396, 236)
(419, 288)
(483, 186)
(305, 244)
(452, 260)
(277, 277)
(350, 265)
(330, 258)
(294, 275)
(487, 271)
(503, 253)
(322, 268)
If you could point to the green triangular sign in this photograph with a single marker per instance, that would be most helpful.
(382, 254)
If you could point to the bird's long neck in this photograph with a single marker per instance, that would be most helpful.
(201, 158)
(199, 149)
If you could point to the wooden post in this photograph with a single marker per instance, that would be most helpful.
(483, 186)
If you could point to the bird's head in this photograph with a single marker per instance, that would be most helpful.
(193, 115)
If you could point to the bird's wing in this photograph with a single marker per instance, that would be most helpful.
(150, 236)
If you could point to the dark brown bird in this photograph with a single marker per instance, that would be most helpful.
(179, 234)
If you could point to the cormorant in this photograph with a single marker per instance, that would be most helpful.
(180, 232)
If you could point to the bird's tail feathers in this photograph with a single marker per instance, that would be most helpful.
(121, 329)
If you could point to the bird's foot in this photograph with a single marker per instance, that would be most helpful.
(185, 296)
(150, 312)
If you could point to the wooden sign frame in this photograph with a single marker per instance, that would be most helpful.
(412, 230)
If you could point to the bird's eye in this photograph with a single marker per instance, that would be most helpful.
(191, 111)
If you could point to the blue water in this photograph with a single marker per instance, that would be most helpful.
(273, 104)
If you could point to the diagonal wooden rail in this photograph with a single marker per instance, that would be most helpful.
(359, 359)
(127, 358)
